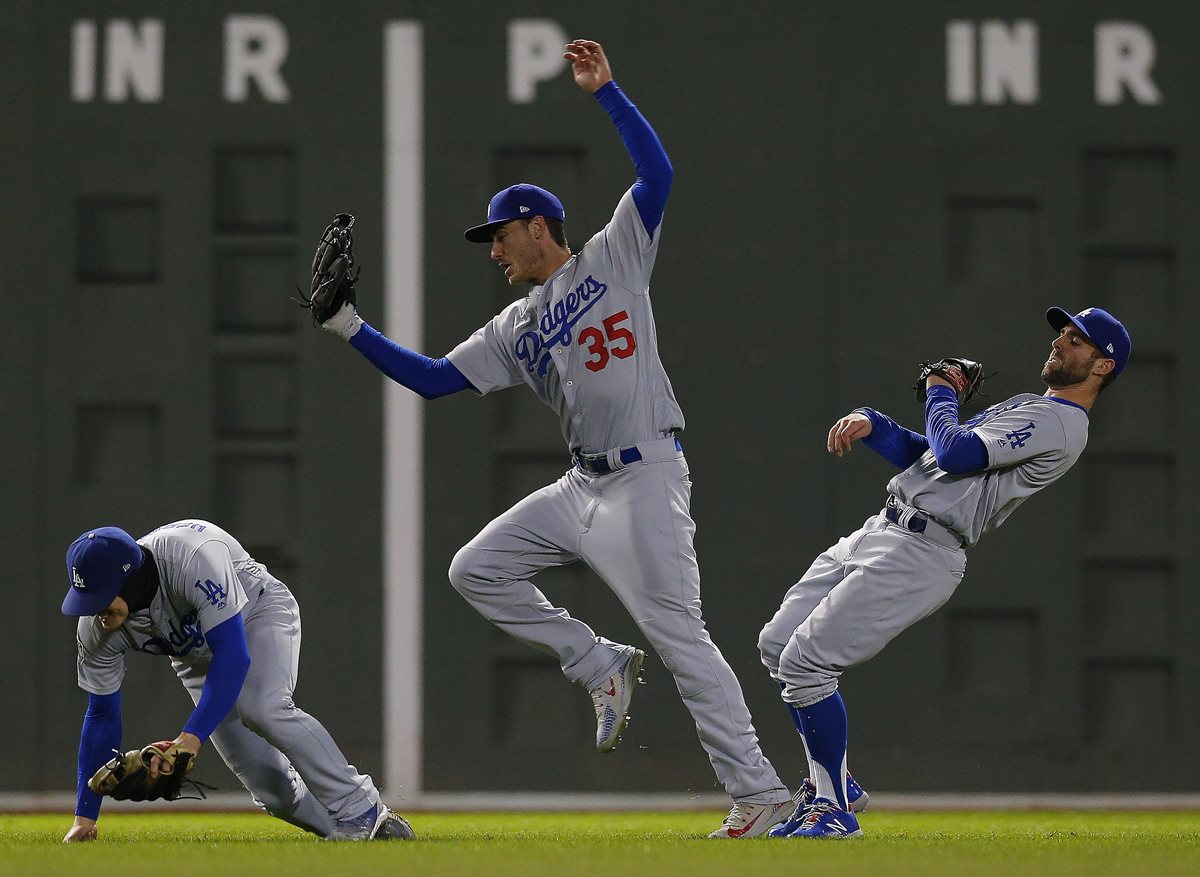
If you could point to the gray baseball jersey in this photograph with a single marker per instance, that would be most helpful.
(1031, 442)
(863, 591)
(585, 343)
(206, 577)
(283, 756)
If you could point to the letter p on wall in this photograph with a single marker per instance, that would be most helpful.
(535, 47)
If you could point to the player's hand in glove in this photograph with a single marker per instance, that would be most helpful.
(964, 375)
(147, 774)
(331, 299)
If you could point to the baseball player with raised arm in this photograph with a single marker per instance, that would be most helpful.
(583, 340)
(959, 481)
(190, 592)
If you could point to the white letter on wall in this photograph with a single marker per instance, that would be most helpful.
(960, 62)
(255, 48)
(133, 62)
(1009, 61)
(1124, 56)
(535, 47)
(83, 60)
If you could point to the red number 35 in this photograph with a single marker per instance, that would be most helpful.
(592, 337)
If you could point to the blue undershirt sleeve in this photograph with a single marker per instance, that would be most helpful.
(898, 445)
(654, 171)
(223, 683)
(430, 378)
(958, 450)
(98, 739)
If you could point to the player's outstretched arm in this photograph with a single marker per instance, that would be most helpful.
(592, 73)
(223, 683)
(334, 306)
(427, 377)
(898, 445)
(98, 739)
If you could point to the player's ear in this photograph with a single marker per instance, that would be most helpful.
(1103, 366)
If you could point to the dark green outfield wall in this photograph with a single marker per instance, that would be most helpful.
(843, 207)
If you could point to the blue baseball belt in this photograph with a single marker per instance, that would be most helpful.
(911, 518)
(602, 464)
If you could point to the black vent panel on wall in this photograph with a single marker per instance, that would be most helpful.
(118, 240)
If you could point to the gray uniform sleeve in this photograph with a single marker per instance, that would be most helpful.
(101, 663)
(486, 359)
(215, 590)
(630, 248)
(1022, 434)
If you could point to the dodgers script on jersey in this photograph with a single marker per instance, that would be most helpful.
(205, 578)
(1031, 442)
(585, 343)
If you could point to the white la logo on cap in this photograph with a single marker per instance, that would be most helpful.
(77, 579)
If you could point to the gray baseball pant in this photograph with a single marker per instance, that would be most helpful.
(282, 755)
(634, 529)
(857, 596)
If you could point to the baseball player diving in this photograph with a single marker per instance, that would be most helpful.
(190, 592)
(583, 340)
(958, 482)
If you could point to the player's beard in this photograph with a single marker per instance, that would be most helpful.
(1057, 373)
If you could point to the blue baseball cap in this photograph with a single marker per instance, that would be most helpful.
(97, 563)
(522, 201)
(1102, 329)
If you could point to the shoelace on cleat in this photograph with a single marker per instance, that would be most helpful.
(737, 817)
(816, 811)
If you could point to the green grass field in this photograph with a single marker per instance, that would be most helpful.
(611, 844)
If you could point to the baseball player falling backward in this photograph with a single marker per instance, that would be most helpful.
(189, 591)
(583, 339)
(958, 482)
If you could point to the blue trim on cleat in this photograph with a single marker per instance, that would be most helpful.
(807, 793)
(856, 795)
(826, 820)
(803, 799)
(361, 827)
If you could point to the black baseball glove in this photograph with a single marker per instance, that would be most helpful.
(333, 271)
(128, 777)
(965, 374)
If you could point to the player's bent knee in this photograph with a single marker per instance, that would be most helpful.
(805, 688)
(801, 667)
(465, 572)
(769, 657)
(769, 648)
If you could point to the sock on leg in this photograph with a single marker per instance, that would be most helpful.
(824, 728)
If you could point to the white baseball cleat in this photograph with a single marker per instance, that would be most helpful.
(612, 702)
(752, 820)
